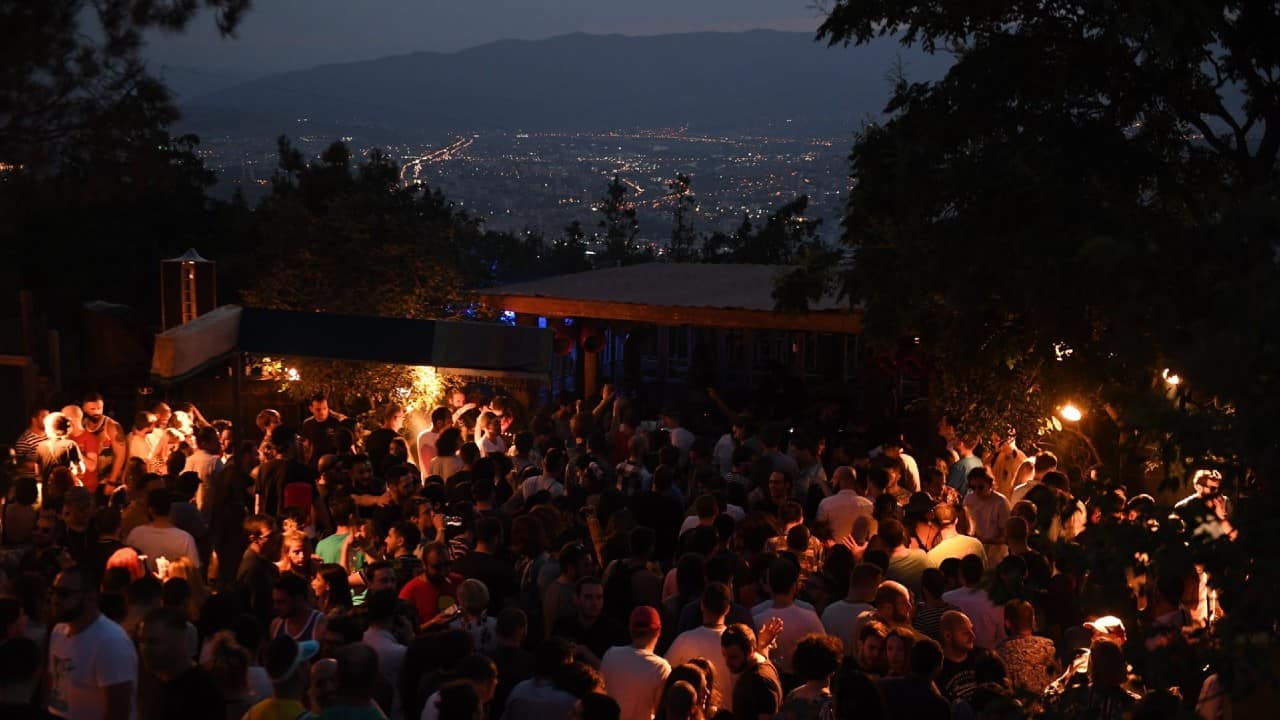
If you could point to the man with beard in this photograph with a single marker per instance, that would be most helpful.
(93, 668)
(436, 589)
(111, 453)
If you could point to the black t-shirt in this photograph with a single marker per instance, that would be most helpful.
(322, 436)
(192, 696)
(496, 574)
(378, 446)
(598, 638)
(274, 476)
(957, 681)
(757, 692)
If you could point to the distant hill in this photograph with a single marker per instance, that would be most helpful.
(734, 82)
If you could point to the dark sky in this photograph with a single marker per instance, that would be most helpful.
(289, 34)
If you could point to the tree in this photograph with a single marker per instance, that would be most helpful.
(1084, 204)
(619, 226)
(93, 189)
(783, 239)
(345, 238)
(1068, 205)
(683, 205)
(568, 253)
(68, 88)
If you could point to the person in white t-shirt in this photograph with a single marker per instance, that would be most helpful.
(206, 462)
(988, 513)
(784, 581)
(633, 675)
(93, 666)
(426, 441)
(840, 618)
(704, 641)
(839, 511)
(159, 538)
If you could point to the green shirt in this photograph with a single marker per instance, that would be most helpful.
(330, 551)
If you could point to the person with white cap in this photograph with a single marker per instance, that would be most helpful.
(634, 675)
(288, 665)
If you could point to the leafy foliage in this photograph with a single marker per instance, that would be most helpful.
(1062, 215)
(1089, 197)
(619, 226)
(68, 90)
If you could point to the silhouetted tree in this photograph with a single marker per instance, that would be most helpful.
(681, 247)
(619, 226)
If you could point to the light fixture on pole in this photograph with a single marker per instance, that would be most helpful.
(1070, 413)
(1171, 377)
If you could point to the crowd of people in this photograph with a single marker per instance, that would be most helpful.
(578, 562)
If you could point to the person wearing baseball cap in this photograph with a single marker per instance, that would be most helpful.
(633, 673)
(288, 664)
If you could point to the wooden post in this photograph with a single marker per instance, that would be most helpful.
(590, 373)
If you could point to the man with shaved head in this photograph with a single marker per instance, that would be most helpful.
(957, 680)
(839, 511)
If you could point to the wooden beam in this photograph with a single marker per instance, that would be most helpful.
(844, 322)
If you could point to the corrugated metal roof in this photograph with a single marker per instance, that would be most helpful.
(731, 286)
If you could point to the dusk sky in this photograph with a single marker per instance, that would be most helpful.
(289, 34)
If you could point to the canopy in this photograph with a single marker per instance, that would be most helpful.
(458, 346)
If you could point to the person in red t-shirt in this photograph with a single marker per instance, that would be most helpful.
(434, 593)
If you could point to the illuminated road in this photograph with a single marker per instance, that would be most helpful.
(447, 152)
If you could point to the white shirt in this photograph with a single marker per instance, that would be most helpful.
(426, 447)
(169, 543)
(83, 666)
(986, 616)
(206, 466)
(634, 678)
(704, 642)
(1020, 492)
(840, 511)
(796, 623)
(840, 618)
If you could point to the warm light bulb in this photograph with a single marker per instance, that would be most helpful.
(1171, 377)
(1070, 413)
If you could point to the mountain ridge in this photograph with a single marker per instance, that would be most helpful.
(709, 81)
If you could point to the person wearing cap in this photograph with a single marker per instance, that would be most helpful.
(632, 673)
(1077, 673)
(288, 665)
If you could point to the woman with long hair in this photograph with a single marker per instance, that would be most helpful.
(184, 568)
(332, 590)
